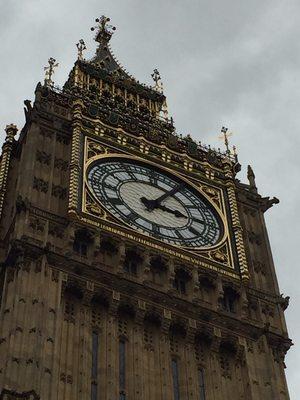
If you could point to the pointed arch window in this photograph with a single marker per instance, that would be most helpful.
(181, 281)
(229, 301)
(201, 383)
(122, 369)
(94, 370)
(132, 262)
(175, 377)
(82, 240)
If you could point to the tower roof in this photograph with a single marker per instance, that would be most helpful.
(104, 64)
(104, 56)
(113, 95)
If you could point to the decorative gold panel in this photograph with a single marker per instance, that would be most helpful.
(218, 257)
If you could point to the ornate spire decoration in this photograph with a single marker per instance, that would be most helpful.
(251, 179)
(158, 85)
(80, 48)
(103, 30)
(50, 72)
(164, 110)
(234, 152)
(224, 136)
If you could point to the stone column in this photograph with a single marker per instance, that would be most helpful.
(11, 131)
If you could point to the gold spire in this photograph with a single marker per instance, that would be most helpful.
(49, 72)
(158, 85)
(80, 48)
(104, 30)
(224, 136)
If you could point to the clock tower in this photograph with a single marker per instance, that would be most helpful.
(134, 264)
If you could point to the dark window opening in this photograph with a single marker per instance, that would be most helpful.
(80, 247)
(229, 300)
(122, 369)
(175, 376)
(180, 281)
(94, 371)
(201, 384)
(180, 285)
(158, 269)
(83, 238)
(131, 262)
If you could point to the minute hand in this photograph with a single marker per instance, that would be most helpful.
(166, 195)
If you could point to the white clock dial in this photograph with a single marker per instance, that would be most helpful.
(154, 202)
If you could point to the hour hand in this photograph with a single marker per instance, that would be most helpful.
(149, 204)
(177, 213)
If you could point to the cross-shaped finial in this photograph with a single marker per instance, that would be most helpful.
(80, 47)
(49, 72)
(104, 30)
(225, 135)
(157, 81)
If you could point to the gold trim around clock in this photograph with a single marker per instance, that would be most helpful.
(219, 212)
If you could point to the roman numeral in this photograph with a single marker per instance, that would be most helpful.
(115, 201)
(194, 231)
(199, 220)
(108, 186)
(155, 229)
(132, 216)
(129, 172)
(153, 179)
(178, 234)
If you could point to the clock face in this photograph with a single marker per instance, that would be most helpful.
(154, 202)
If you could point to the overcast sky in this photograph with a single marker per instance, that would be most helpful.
(233, 63)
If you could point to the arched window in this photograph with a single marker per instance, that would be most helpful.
(83, 238)
(180, 281)
(229, 299)
(94, 369)
(201, 383)
(175, 378)
(158, 269)
(122, 369)
(132, 262)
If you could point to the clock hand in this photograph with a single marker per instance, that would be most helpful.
(177, 213)
(149, 203)
(152, 204)
(168, 194)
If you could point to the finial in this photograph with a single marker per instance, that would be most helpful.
(80, 47)
(104, 31)
(158, 86)
(234, 151)
(225, 135)
(49, 72)
(164, 110)
(251, 179)
(11, 130)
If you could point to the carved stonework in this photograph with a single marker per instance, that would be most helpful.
(59, 192)
(93, 207)
(7, 394)
(40, 185)
(61, 164)
(56, 230)
(95, 149)
(37, 224)
(213, 194)
(221, 255)
(254, 238)
(43, 157)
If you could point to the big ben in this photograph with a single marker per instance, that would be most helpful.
(134, 264)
